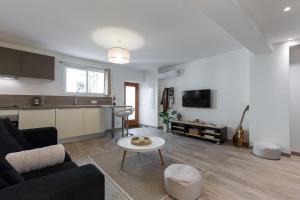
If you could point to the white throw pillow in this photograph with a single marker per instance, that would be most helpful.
(26, 161)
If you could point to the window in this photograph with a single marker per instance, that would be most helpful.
(95, 82)
(75, 80)
(84, 81)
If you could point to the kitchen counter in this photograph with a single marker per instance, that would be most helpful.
(58, 107)
(15, 110)
(9, 108)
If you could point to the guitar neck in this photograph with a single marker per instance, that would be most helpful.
(243, 116)
(242, 119)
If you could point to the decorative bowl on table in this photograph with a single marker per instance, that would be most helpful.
(140, 141)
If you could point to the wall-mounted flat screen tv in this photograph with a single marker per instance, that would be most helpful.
(196, 98)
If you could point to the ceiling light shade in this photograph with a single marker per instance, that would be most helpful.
(7, 77)
(118, 55)
(286, 9)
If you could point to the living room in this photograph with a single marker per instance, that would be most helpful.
(149, 100)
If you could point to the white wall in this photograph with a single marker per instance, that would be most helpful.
(227, 75)
(119, 74)
(295, 98)
(269, 97)
(148, 100)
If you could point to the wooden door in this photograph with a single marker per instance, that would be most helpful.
(131, 91)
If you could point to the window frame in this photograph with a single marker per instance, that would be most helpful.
(84, 68)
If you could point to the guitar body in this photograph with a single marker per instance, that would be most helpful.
(238, 138)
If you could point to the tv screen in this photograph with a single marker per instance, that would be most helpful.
(196, 98)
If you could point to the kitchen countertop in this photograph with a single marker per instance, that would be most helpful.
(58, 106)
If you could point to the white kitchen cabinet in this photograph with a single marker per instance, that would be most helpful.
(94, 120)
(36, 118)
(9, 112)
(69, 122)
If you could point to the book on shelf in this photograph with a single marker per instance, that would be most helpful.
(209, 136)
(193, 131)
(209, 131)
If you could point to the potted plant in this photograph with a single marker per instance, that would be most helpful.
(167, 117)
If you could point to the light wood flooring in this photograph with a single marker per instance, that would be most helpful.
(231, 173)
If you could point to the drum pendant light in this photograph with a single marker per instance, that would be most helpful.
(118, 55)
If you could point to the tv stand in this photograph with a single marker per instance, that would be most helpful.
(207, 132)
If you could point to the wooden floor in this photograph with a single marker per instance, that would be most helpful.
(231, 173)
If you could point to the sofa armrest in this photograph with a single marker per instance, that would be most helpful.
(41, 137)
(80, 183)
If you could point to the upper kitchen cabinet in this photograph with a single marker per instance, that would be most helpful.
(9, 62)
(36, 66)
(25, 64)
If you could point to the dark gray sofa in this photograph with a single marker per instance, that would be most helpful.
(59, 182)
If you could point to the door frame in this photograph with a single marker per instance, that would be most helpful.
(136, 85)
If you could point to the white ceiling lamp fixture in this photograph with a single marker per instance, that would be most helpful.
(287, 9)
(7, 77)
(118, 55)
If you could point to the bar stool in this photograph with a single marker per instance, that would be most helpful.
(124, 113)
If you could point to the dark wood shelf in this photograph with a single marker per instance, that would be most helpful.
(207, 132)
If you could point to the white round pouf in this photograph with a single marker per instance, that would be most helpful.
(182, 182)
(267, 150)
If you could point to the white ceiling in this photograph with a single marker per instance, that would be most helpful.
(278, 26)
(158, 32)
(172, 31)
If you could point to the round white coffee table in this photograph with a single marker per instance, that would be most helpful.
(156, 144)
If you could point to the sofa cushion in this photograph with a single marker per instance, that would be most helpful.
(79, 183)
(8, 175)
(30, 160)
(48, 170)
(41, 137)
(7, 143)
(16, 134)
(3, 183)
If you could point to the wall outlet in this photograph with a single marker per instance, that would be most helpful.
(94, 101)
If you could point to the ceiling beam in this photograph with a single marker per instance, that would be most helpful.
(233, 17)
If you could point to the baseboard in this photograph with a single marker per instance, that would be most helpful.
(148, 126)
(82, 137)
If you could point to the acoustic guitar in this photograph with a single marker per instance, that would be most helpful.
(238, 138)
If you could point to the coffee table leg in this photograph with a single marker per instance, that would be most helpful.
(124, 155)
(161, 158)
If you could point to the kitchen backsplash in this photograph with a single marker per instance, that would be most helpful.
(27, 100)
